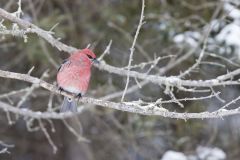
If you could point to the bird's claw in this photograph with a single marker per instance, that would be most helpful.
(78, 96)
(60, 89)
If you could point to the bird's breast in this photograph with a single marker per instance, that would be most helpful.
(74, 77)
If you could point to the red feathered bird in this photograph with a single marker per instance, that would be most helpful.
(74, 75)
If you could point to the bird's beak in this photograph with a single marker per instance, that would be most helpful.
(95, 61)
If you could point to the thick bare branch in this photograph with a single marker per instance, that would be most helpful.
(123, 106)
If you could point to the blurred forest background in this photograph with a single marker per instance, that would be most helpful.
(171, 28)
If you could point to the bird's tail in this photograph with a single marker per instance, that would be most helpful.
(68, 105)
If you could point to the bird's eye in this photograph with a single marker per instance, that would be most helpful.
(90, 57)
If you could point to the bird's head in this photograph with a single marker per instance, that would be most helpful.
(86, 52)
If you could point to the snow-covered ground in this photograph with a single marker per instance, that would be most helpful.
(228, 34)
(202, 153)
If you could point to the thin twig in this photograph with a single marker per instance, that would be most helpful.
(47, 136)
(133, 48)
(106, 51)
(74, 132)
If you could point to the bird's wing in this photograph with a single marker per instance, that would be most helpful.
(65, 61)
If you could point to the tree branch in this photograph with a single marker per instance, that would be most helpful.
(123, 106)
(133, 107)
(160, 80)
(133, 48)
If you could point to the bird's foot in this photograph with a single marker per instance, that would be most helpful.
(78, 96)
(60, 89)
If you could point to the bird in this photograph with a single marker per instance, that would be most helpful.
(73, 77)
